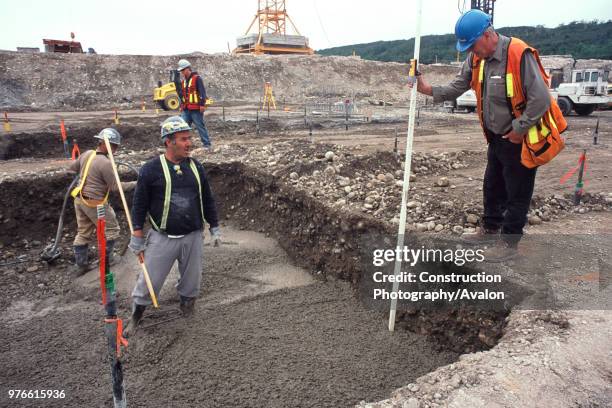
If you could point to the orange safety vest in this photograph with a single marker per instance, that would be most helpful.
(543, 141)
(191, 97)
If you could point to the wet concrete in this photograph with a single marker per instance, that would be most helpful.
(265, 333)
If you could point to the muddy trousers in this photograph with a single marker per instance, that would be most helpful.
(507, 189)
(87, 220)
(160, 254)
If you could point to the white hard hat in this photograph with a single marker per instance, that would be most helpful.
(111, 134)
(172, 125)
(182, 64)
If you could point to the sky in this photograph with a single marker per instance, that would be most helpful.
(161, 27)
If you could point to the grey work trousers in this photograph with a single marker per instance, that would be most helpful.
(160, 254)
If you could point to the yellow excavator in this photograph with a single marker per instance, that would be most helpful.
(166, 96)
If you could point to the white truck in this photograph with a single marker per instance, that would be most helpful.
(587, 90)
(465, 102)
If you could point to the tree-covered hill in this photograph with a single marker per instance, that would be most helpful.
(580, 39)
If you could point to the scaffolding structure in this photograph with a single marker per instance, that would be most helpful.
(271, 36)
(487, 6)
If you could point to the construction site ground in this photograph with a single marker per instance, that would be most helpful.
(280, 322)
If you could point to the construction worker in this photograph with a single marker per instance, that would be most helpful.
(96, 181)
(193, 96)
(497, 67)
(174, 193)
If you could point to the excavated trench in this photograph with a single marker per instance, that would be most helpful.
(315, 344)
(140, 133)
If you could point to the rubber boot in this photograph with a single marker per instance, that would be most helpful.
(137, 313)
(110, 256)
(81, 264)
(187, 306)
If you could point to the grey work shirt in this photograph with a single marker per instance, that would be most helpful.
(496, 111)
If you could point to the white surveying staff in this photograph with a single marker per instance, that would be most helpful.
(407, 163)
(129, 220)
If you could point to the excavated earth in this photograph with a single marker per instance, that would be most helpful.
(281, 320)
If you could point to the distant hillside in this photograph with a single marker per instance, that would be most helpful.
(583, 40)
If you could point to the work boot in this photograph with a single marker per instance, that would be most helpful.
(81, 264)
(502, 251)
(137, 313)
(187, 306)
(482, 236)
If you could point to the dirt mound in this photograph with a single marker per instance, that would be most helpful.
(87, 82)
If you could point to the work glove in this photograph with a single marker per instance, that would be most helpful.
(216, 236)
(137, 244)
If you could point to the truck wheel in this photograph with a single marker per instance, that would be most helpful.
(171, 102)
(584, 110)
(565, 105)
(471, 109)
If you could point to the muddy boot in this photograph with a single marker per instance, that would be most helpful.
(137, 313)
(483, 236)
(187, 306)
(81, 264)
(110, 256)
(501, 252)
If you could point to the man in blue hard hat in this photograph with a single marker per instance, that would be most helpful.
(508, 184)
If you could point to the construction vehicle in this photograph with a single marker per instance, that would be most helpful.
(465, 102)
(166, 96)
(587, 90)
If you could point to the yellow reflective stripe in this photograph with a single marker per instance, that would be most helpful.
(552, 121)
(481, 71)
(168, 192)
(155, 227)
(194, 169)
(509, 85)
(545, 131)
(533, 135)
(78, 189)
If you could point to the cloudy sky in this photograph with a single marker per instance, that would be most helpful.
(165, 27)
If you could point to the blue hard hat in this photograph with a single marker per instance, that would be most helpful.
(470, 27)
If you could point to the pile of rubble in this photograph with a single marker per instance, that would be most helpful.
(123, 81)
(372, 184)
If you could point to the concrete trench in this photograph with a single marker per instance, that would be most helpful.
(280, 322)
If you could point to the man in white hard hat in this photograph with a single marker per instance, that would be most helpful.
(174, 194)
(193, 96)
(96, 181)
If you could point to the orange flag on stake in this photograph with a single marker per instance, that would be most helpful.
(7, 124)
(64, 137)
(63, 130)
(76, 152)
